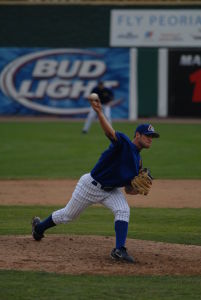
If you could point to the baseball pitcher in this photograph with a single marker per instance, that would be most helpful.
(119, 166)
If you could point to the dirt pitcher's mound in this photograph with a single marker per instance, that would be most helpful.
(91, 255)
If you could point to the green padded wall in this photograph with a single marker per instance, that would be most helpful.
(54, 26)
(147, 81)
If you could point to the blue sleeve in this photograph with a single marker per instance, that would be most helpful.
(121, 138)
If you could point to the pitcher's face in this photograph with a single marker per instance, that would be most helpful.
(143, 140)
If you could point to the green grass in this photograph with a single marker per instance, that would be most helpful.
(59, 150)
(156, 224)
(38, 285)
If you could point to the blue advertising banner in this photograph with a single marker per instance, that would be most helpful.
(40, 81)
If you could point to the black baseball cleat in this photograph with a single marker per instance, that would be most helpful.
(84, 131)
(122, 255)
(37, 236)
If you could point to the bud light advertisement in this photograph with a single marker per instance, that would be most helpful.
(40, 81)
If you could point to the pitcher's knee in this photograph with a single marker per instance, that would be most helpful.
(62, 216)
(122, 215)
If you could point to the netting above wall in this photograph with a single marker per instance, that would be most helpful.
(105, 2)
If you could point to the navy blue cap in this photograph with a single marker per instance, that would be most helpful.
(147, 129)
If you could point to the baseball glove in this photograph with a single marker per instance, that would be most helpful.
(142, 183)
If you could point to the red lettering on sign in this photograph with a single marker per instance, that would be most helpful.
(196, 78)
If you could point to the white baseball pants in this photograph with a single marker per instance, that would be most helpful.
(86, 194)
(92, 116)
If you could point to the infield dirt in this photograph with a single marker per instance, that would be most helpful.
(91, 254)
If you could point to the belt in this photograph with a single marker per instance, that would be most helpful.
(105, 188)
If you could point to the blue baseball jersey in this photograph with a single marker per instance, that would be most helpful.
(118, 164)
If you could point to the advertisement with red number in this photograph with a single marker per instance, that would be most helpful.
(184, 82)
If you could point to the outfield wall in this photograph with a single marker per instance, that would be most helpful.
(153, 88)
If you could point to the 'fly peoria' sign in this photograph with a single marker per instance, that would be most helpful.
(58, 81)
(155, 27)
